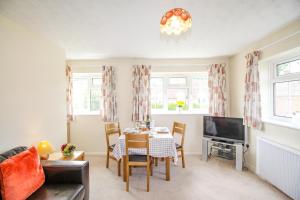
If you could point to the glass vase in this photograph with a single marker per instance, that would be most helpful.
(67, 154)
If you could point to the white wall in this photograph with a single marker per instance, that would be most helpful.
(283, 135)
(87, 132)
(32, 88)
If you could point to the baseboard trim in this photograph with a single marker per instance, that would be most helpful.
(104, 153)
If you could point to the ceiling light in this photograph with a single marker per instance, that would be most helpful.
(175, 21)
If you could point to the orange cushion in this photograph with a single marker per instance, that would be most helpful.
(21, 175)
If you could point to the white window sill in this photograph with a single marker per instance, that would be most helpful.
(86, 114)
(178, 113)
(282, 123)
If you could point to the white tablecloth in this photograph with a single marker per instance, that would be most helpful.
(160, 145)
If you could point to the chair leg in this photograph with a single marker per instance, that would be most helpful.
(119, 167)
(182, 157)
(148, 177)
(124, 168)
(130, 171)
(156, 161)
(151, 168)
(107, 158)
(127, 178)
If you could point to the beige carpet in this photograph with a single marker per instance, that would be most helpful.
(216, 179)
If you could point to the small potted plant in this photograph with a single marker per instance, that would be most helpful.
(68, 149)
(180, 104)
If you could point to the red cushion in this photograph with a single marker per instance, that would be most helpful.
(21, 175)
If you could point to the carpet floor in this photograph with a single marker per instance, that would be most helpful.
(215, 179)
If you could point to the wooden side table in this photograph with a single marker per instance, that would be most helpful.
(77, 155)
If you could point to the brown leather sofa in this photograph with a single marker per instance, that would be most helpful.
(64, 179)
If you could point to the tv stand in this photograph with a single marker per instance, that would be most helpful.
(222, 141)
(238, 151)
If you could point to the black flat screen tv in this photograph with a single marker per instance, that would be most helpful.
(224, 128)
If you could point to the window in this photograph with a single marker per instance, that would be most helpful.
(289, 67)
(86, 93)
(286, 88)
(157, 97)
(189, 91)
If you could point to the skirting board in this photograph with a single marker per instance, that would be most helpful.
(104, 153)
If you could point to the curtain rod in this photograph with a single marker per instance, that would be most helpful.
(278, 41)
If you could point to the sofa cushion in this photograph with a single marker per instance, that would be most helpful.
(12, 152)
(59, 192)
(21, 175)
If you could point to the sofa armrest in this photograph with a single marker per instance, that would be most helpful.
(67, 172)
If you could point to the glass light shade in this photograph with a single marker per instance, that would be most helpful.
(44, 148)
(176, 21)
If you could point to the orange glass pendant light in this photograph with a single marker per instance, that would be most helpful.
(176, 21)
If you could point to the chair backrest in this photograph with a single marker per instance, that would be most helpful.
(111, 129)
(137, 141)
(179, 128)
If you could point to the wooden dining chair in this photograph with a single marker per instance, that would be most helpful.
(137, 141)
(179, 128)
(112, 128)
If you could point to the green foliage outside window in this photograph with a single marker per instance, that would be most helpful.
(157, 106)
(196, 105)
(173, 107)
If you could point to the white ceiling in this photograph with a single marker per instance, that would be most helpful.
(130, 28)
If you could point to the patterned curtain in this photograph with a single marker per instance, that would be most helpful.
(109, 97)
(70, 116)
(217, 90)
(252, 104)
(141, 93)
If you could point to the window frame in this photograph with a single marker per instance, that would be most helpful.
(274, 78)
(89, 76)
(189, 76)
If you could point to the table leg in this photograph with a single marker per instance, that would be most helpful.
(124, 168)
(167, 169)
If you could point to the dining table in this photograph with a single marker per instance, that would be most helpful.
(161, 145)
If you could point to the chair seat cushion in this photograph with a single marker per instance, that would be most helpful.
(59, 191)
(178, 146)
(111, 147)
(138, 158)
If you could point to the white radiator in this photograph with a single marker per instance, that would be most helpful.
(279, 165)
